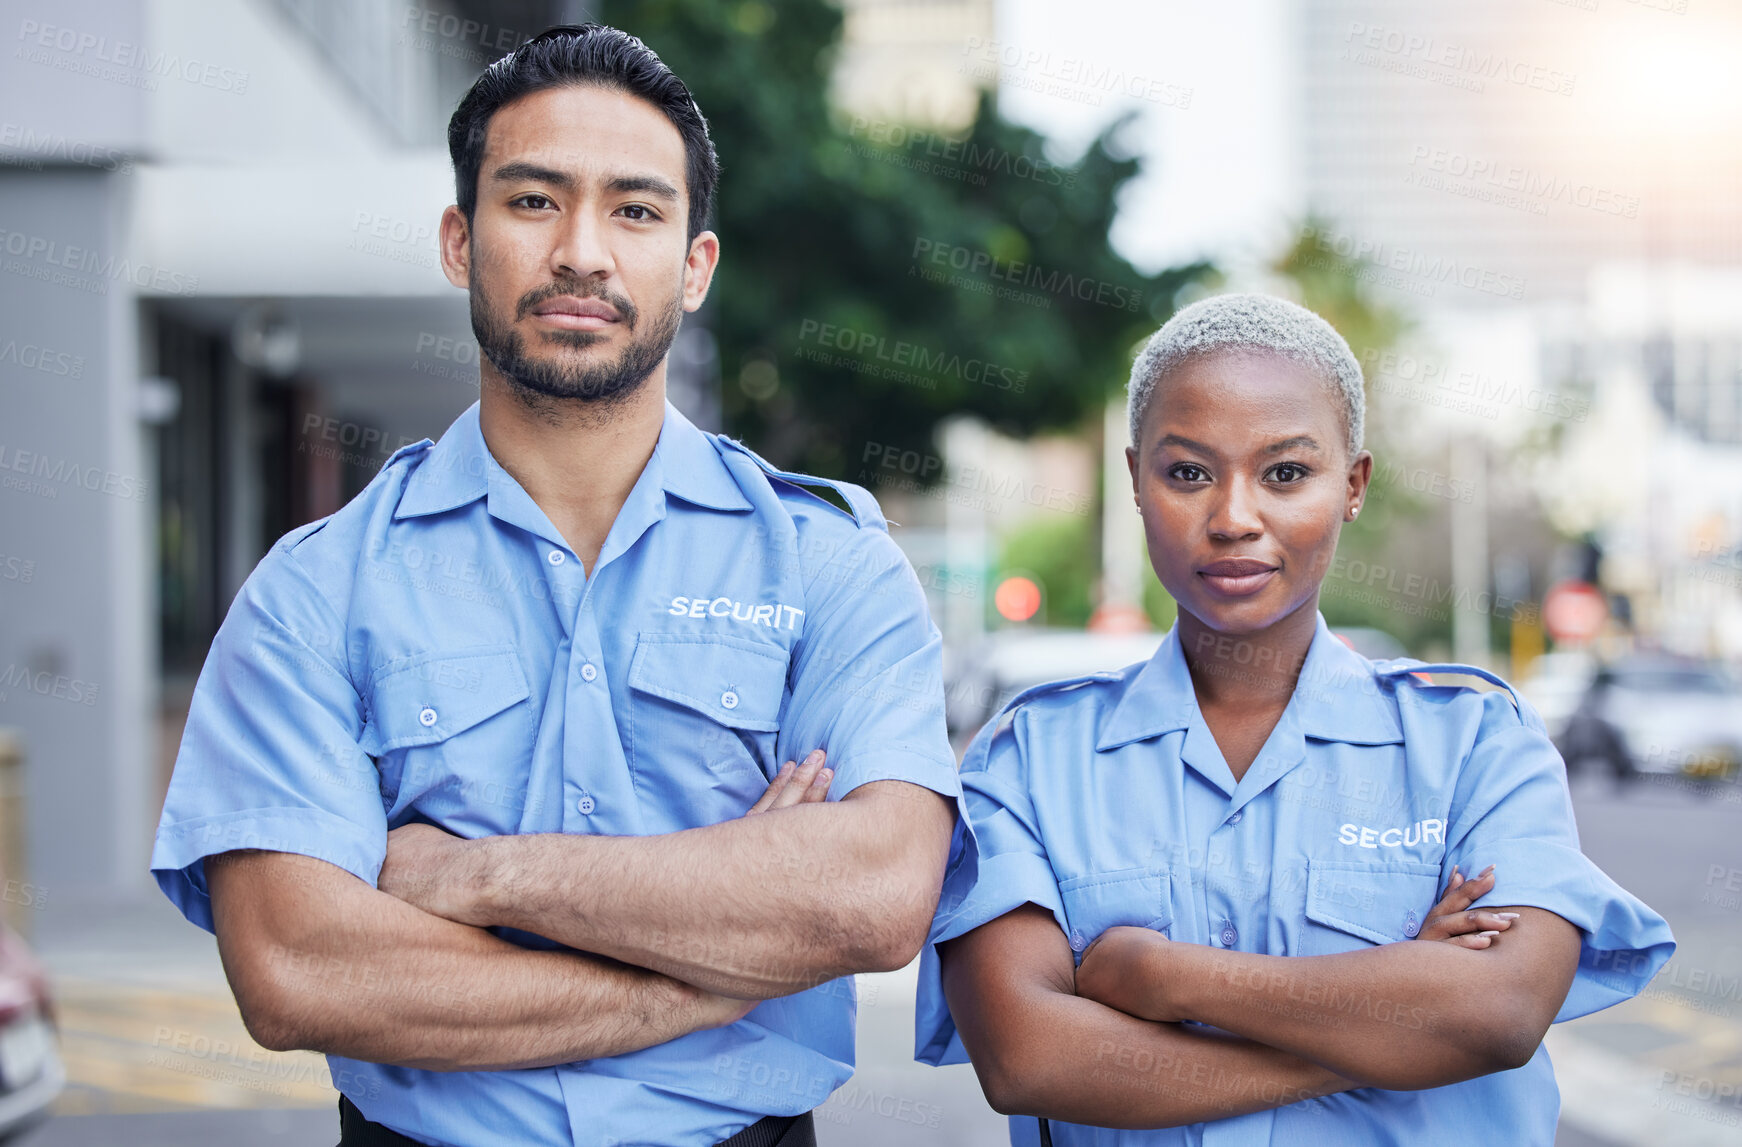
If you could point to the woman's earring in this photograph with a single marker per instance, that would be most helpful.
(1353, 510)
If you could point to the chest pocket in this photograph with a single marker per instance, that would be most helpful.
(705, 715)
(441, 721)
(1352, 905)
(1140, 897)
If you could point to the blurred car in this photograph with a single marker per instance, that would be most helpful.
(1656, 714)
(31, 1073)
(1011, 660)
(1555, 684)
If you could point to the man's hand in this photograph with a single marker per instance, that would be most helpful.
(429, 868)
(801, 784)
(1121, 969)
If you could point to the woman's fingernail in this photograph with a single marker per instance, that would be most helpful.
(1491, 933)
(1507, 915)
(1486, 871)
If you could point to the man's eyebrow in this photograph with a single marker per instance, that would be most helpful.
(643, 184)
(520, 169)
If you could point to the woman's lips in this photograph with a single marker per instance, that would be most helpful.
(1237, 578)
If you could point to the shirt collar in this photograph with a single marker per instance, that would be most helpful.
(460, 469)
(1337, 697)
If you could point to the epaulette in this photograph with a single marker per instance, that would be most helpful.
(982, 743)
(1046, 687)
(1401, 666)
(865, 510)
(408, 448)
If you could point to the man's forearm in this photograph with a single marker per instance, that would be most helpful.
(1400, 1016)
(321, 961)
(756, 907)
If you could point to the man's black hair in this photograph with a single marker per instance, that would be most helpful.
(583, 55)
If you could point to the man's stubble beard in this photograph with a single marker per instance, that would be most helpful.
(557, 389)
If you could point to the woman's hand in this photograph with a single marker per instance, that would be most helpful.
(1120, 969)
(1451, 921)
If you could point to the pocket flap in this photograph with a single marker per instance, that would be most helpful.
(736, 682)
(434, 696)
(1383, 903)
(1141, 897)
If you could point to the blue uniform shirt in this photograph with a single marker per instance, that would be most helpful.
(1106, 800)
(434, 651)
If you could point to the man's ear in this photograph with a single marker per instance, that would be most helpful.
(698, 271)
(456, 247)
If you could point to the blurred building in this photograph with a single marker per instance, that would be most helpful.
(1545, 186)
(910, 61)
(223, 311)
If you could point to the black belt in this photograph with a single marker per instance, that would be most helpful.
(769, 1131)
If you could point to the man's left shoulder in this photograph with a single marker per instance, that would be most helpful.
(802, 493)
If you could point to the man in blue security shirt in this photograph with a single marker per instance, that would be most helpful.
(482, 788)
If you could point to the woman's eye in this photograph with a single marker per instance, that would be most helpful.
(1289, 472)
(1188, 472)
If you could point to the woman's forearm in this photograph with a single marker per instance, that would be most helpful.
(1400, 1016)
(1082, 1062)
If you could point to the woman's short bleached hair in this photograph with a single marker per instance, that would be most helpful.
(1253, 324)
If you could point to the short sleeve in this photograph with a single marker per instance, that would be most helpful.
(867, 682)
(1512, 810)
(1010, 869)
(270, 756)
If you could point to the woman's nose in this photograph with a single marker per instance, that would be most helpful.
(1235, 514)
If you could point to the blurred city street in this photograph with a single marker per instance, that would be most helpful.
(157, 1056)
(946, 229)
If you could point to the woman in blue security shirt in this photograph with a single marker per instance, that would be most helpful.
(1196, 878)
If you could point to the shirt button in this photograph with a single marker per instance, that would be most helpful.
(1235, 819)
(588, 672)
(1229, 936)
(556, 557)
(729, 699)
(427, 718)
(585, 806)
(1411, 926)
(1076, 940)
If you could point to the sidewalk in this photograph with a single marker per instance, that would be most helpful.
(148, 1023)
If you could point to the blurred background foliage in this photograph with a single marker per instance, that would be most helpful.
(819, 220)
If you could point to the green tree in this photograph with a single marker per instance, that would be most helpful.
(827, 227)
